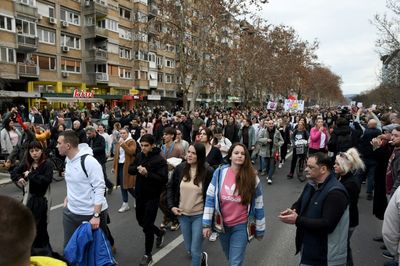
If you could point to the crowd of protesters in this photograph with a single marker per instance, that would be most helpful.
(235, 147)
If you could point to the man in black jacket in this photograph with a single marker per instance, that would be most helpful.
(98, 145)
(151, 172)
(368, 155)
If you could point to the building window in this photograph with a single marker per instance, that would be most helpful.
(7, 55)
(169, 78)
(46, 62)
(152, 57)
(28, 2)
(6, 23)
(70, 65)
(113, 70)
(169, 62)
(70, 16)
(125, 73)
(143, 75)
(159, 61)
(140, 55)
(45, 10)
(125, 33)
(46, 36)
(108, 24)
(25, 27)
(70, 41)
(160, 77)
(125, 13)
(124, 53)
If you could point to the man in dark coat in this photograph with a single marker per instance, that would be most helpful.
(98, 145)
(151, 172)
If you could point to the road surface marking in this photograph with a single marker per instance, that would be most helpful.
(56, 207)
(167, 249)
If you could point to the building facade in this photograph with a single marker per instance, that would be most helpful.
(84, 51)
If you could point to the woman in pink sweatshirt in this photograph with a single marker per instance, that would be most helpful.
(318, 137)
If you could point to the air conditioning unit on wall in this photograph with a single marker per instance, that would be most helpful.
(52, 20)
(65, 24)
(65, 74)
(65, 49)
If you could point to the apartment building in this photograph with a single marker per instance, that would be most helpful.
(107, 51)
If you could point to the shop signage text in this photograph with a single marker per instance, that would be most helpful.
(83, 94)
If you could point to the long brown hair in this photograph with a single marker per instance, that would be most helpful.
(201, 165)
(246, 177)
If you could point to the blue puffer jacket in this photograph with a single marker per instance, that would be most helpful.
(89, 248)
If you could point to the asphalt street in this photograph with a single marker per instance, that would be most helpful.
(277, 248)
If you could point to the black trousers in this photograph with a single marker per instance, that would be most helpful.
(109, 184)
(146, 213)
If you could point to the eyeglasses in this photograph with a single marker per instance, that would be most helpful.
(178, 133)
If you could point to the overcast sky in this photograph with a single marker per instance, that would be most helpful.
(342, 27)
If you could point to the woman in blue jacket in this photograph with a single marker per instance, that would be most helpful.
(235, 201)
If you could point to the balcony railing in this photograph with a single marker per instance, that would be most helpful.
(101, 77)
(98, 55)
(28, 70)
(94, 7)
(27, 42)
(24, 8)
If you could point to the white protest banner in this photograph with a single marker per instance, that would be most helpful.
(272, 106)
(294, 105)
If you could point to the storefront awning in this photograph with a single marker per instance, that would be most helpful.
(73, 100)
(23, 94)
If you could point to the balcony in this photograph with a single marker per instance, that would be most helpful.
(153, 11)
(22, 7)
(94, 31)
(101, 77)
(98, 55)
(152, 46)
(92, 7)
(27, 43)
(28, 70)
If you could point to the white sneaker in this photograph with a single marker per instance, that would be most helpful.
(213, 237)
(280, 165)
(269, 181)
(125, 207)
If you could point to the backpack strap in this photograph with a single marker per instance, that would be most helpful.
(83, 157)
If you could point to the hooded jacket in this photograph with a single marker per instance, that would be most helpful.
(150, 187)
(89, 248)
(84, 192)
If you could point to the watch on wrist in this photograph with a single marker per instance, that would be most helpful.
(96, 215)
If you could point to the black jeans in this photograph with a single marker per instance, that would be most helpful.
(109, 184)
(146, 213)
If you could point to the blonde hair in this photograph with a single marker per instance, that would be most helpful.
(350, 161)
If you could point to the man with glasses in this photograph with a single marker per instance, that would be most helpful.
(321, 216)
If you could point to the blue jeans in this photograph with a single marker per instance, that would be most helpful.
(124, 192)
(270, 166)
(234, 243)
(192, 231)
(261, 163)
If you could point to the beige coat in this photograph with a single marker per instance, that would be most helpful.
(129, 147)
